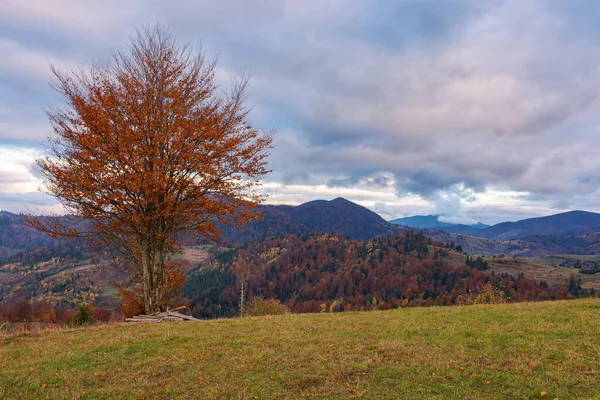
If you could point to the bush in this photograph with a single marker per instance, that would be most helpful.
(258, 306)
(336, 306)
(488, 294)
(82, 316)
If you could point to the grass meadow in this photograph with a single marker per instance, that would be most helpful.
(510, 351)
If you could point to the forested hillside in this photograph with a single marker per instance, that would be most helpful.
(311, 273)
(16, 236)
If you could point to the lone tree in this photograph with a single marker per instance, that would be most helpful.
(148, 150)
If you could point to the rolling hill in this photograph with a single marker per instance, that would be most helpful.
(310, 271)
(574, 232)
(568, 223)
(35, 266)
(570, 232)
(572, 222)
(338, 216)
(16, 237)
(529, 246)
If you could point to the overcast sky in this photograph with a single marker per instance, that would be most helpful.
(477, 110)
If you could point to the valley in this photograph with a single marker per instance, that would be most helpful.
(360, 247)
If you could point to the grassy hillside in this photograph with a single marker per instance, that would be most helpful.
(58, 276)
(548, 269)
(520, 351)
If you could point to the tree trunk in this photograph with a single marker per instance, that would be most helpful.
(146, 277)
(153, 262)
(158, 272)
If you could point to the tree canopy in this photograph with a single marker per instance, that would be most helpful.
(148, 149)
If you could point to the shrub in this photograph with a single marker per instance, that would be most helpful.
(336, 306)
(101, 315)
(258, 306)
(82, 316)
(488, 294)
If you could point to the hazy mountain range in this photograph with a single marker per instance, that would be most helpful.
(572, 222)
(575, 232)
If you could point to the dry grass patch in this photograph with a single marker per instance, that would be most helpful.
(512, 351)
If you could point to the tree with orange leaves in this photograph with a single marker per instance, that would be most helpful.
(147, 150)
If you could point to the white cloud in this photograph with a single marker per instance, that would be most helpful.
(16, 175)
(501, 103)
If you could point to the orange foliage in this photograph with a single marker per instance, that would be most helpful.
(148, 150)
(132, 300)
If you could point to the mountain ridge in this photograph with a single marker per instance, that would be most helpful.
(570, 222)
(573, 231)
(339, 216)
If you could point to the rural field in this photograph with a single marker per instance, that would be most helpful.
(541, 269)
(511, 351)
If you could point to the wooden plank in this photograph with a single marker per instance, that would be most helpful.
(186, 317)
(141, 320)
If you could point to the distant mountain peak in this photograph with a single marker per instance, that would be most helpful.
(341, 200)
(340, 216)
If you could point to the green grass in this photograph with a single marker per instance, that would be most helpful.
(547, 260)
(560, 258)
(513, 351)
(110, 291)
(582, 257)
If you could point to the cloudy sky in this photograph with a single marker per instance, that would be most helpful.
(477, 110)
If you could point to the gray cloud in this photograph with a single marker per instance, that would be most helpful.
(34, 202)
(418, 97)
